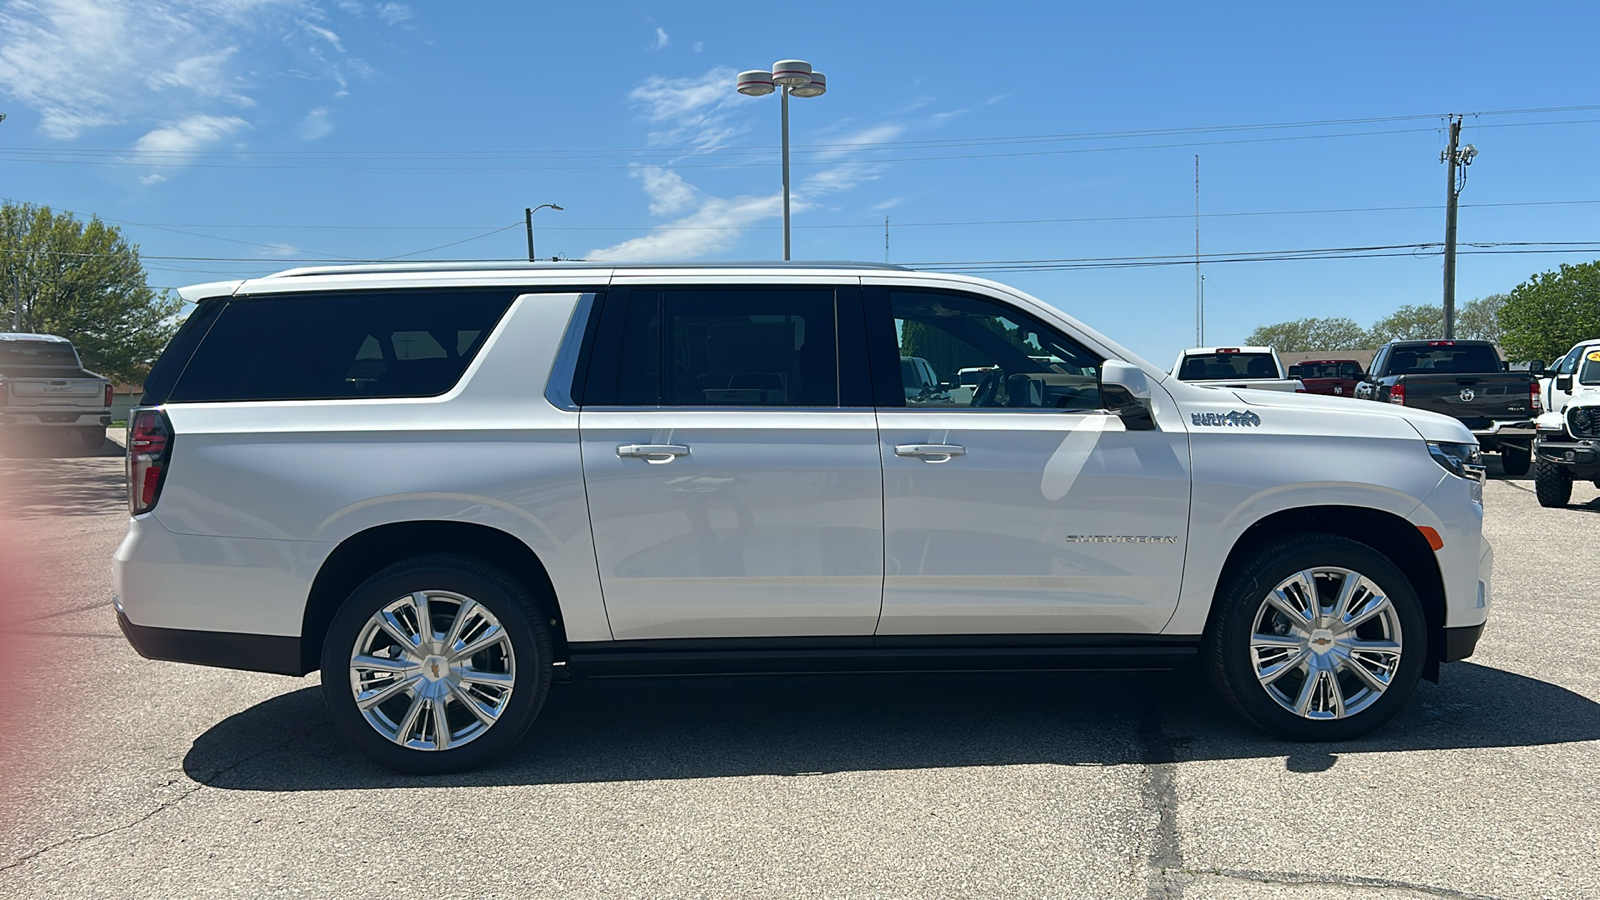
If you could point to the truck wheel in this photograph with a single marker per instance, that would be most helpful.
(436, 664)
(1515, 460)
(1552, 484)
(91, 439)
(1316, 638)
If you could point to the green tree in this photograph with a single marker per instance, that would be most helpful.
(1545, 315)
(1479, 320)
(1412, 322)
(1311, 334)
(85, 283)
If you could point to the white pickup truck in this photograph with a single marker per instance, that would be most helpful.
(1257, 368)
(44, 388)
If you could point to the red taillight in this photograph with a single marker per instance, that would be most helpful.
(1397, 394)
(1441, 343)
(1222, 350)
(108, 394)
(149, 449)
(1535, 402)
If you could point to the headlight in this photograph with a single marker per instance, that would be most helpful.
(1463, 460)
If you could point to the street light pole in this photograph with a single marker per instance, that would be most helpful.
(785, 173)
(792, 76)
(527, 218)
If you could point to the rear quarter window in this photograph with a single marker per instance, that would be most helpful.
(340, 346)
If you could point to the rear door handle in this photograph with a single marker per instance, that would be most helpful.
(654, 454)
(931, 453)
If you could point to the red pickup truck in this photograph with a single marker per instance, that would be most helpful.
(1335, 377)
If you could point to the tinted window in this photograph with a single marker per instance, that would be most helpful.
(743, 347)
(340, 346)
(36, 353)
(1426, 359)
(1224, 366)
(981, 354)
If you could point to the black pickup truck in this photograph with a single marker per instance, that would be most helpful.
(1467, 380)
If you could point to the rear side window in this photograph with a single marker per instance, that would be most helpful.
(709, 347)
(340, 346)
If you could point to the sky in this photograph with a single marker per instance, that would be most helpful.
(1050, 146)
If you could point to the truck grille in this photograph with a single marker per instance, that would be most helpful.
(1584, 422)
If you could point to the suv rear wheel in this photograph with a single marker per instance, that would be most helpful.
(1317, 638)
(436, 664)
(1552, 484)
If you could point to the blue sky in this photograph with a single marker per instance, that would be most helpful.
(239, 137)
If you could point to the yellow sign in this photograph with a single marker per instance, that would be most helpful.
(1593, 356)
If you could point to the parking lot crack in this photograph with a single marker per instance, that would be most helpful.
(1160, 760)
(1355, 881)
(161, 807)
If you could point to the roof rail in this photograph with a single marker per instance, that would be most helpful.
(523, 265)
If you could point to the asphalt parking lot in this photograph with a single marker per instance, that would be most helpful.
(121, 777)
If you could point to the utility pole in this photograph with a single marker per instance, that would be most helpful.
(1450, 230)
(885, 238)
(1456, 162)
(527, 218)
(1199, 323)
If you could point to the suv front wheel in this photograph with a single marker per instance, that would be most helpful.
(1317, 638)
(436, 664)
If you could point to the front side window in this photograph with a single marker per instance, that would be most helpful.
(737, 347)
(964, 352)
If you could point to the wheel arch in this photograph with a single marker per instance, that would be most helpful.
(1385, 532)
(364, 553)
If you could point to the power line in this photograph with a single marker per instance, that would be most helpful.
(832, 161)
(853, 145)
(873, 226)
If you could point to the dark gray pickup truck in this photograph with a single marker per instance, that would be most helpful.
(1467, 380)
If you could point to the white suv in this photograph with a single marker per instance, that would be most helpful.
(446, 486)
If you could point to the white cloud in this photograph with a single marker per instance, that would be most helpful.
(193, 133)
(280, 251)
(696, 112)
(693, 111)
(714, 226)
(661, 38)
(152, 178)
(323, 33)
(316, 124)
(87, 64)
(699, 45)
(394, 13)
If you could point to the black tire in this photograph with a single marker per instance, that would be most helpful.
(507, 599)
(1515, 460)
(91, 439)
(1552, 484)
(1229, 661)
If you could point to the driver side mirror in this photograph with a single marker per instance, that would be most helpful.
(1536, 368)
(1564, 382)
(1125, 392)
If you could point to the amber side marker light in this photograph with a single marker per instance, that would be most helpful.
(1434, 540)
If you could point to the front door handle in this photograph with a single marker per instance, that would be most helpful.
(654, 454)
(931, 453)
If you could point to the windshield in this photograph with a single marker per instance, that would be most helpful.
(1448, 359)
(1589, 372)
(1222, 366)
(36, 353)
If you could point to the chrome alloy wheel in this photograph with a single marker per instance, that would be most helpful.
(1326, 643)
(432, 670)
